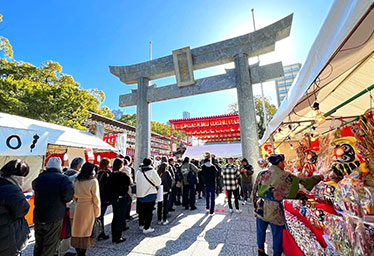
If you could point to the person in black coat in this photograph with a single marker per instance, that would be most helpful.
(14, 230)
(105, 197)
(210, 173)
(52, 191)
(119, 183)
(173, 192)
(167, 183)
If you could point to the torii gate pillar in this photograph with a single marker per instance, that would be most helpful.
(247, 112)
(143, 122)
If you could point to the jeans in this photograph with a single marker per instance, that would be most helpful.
(189, 196)
(163, 208)
(47, 238)
(236, 196)
(210, 195)
(103, 208)
(276, 231)
(119, 213)
(247, 190)
(145, 210)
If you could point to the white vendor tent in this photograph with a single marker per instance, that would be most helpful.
(28, 139)
(220, 150)
(339, 66)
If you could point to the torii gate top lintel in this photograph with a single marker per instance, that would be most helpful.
(256, 43)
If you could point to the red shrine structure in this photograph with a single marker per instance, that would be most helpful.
(224, 128)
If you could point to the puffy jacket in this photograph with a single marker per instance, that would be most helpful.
(210, 173)
(14, 230)
(143, 186)
(52, 191)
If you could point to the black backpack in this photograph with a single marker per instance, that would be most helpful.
(192, 178)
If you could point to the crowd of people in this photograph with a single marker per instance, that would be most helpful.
(70, 205)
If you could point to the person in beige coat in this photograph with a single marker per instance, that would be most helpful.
(87, 209)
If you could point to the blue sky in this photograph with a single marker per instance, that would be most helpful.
(87, 36)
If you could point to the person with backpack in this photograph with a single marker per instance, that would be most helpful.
(147, 183)
(166, 182)
(189, 172)
(231, 177)
(52, 191)
(210, 173)
(105, 196)
(14, 230)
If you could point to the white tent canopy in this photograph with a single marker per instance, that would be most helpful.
(220, 150)
(339, 65)
(17, 135)
(55, 134)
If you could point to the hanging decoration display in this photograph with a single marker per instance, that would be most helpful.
(224, 128)
(337, 216)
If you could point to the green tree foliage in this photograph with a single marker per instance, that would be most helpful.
(270, 110)
(156, 127)
(46, 94)
(5, 46)
(129, 119)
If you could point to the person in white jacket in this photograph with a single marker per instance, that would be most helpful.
(147, 183)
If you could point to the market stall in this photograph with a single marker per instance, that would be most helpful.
(35, 142)
(328, 120)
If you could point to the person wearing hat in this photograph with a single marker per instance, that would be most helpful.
(52, 191)
(271, 187)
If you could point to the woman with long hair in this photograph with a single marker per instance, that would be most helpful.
(87, 209)
(14, 230)
(119, 184)
(105, 197)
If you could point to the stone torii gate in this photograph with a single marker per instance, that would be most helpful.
(184, 61)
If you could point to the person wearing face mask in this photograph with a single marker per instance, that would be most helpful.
(14, 230)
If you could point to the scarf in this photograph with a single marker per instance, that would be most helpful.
(16, 180)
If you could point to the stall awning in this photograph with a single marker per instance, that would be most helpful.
(339, 65)
(54, 134)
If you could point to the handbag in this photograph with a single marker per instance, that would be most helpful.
(160, 194)
(66, 226)
(97, 228)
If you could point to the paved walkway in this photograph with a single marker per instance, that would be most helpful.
(188, 233)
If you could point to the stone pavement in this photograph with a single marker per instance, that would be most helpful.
(188, 233)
